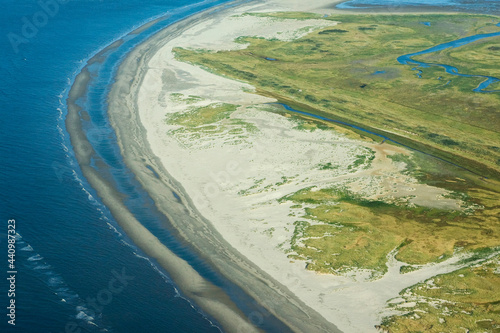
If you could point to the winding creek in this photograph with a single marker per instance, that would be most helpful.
(407, 59)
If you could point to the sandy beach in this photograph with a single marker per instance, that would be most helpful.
(220, 187)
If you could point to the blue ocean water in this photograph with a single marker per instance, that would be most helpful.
(70, 251)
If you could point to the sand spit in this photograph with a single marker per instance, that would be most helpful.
(229, 174)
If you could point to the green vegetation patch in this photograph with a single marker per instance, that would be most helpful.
(286, 15)
(467, 298)
(198, 116)
(359, 233)
(341, 248)
(332, 31)
(211, 122)
(178, 97)
(364, 160)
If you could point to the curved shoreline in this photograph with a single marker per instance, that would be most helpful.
(178, 208)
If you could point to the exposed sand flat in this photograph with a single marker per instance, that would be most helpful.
(233, 171)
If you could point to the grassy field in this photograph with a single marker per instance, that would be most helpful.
(467, 300)
(340, 230)
(196, 117)
(332, 72)
(207, 123)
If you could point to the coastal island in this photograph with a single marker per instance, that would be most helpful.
(342, 189)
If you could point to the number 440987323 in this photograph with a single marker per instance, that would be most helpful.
(12, 243)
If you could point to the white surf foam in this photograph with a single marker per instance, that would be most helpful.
(58, 286)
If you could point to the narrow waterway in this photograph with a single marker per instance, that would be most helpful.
(407, 59)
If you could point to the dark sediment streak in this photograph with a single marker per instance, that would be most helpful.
(179, 209)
